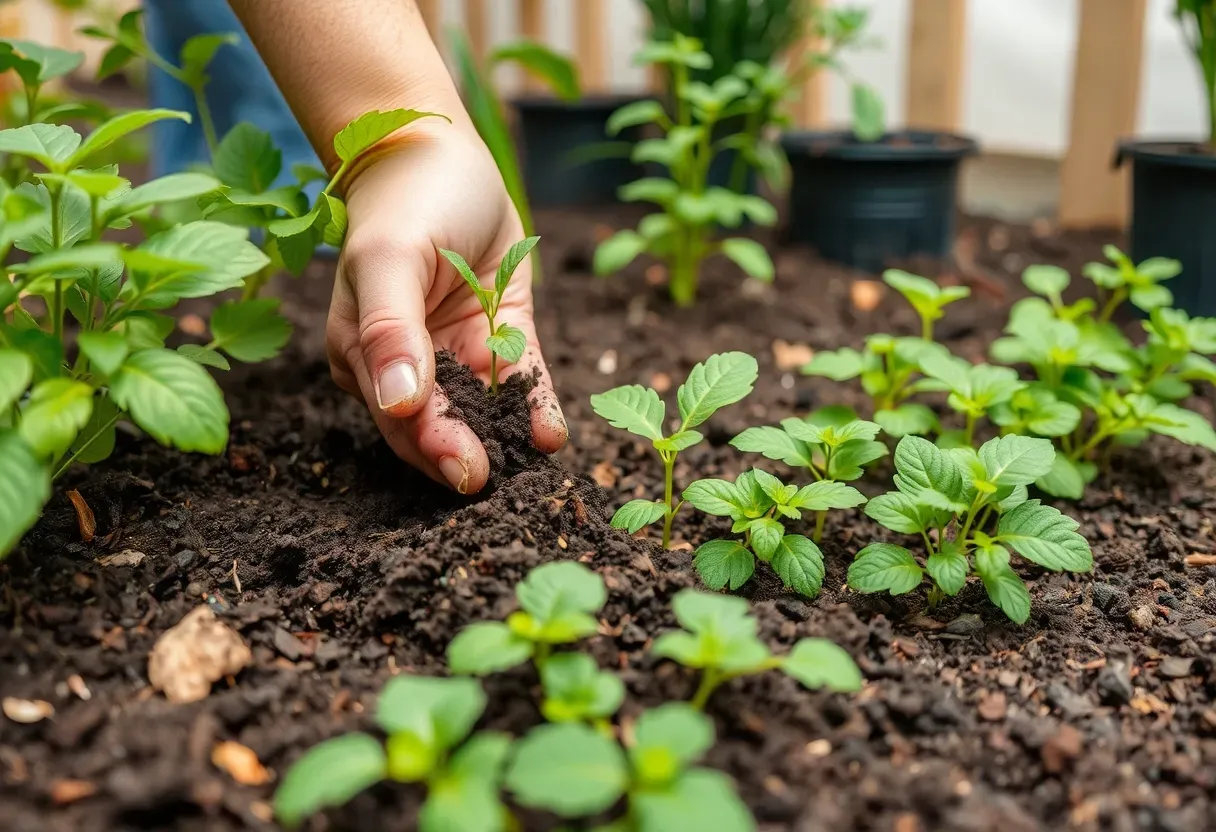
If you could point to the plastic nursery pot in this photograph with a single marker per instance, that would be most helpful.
(568, 158)
(1173, 214)
(864, 203)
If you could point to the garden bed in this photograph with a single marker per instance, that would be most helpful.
(1098, 713)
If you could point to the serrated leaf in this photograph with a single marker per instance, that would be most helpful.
(1042, 534)
(900, 513)
(848, 460)
(712, 496)
(924, 468)
(370, 128)
(224, 251)
(948, 568)
(679, 441)
(774, 443)
(43, 63)
(799, 564)
(907, 420)
(825, 495)
(570, 770)
(721, 380)
(1063, 480)
(487, 647)
(508, 343)
(51, 145)
(885, 567)
(634, 408)
(247, 159)
(117, 127)
(329, 774)
(720, 633)
(70, 262)
(105, 350)
(637, 514)
(1016, 460)
(58, 408)
(171, 188)
(333, 233)
(1181, 424)
(819, 663)
(251, 330)
(750, 256)
(204, 356)
(766, 535)
(173, 399)
(1002, 584)
(724, 563)
(463, 268)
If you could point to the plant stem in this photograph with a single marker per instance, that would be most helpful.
(56, 195)
(1117, 297)
(975, 504)
(710, 679)
(205, 119)
(542, 654)
(669, 463)
(683, 280)
(969, 434)
(820, 518)
(935, 596)
(493, 364)
(85, 446)
(926, 328)
(738, 170)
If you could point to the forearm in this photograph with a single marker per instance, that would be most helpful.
(337, 59)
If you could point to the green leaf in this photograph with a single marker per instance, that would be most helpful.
(569, 769)
(333, 233)
(825, 495)
(199, 50)
(94, 183)
(52, 145)
(799, 564)
(723, 563)
(16, 372)
(1048, 281)
(1016, 460)
(69, 262)
(698, 799)
(716, 497)
(838, 365)
(1002, 584)
(1148, 298)
(775, 444)
(173, 399)
(948, 568)
(487, 647)
(649, 189)
(720, 633)
(556, 70)
(97, 438)
(370, 128)
(470, 277)
(637, 514)
(58, 408)
(247, 159)
(721, 380)
(289, 227)
(113, 61)
(1042, 534)
(462, 804)
(204, 356)
(846, 463)
(885, 567)
(1181, 424)
(900, 513)
(869, 117)
(25, 486)
(508, 343)
(146, 330)
(908, 420)
(634, 408)
(514, 257)
(818, 663)
(633, 114)
(924, 468)
(329, 774)
(44, 350)
(576, 689)
(223, 250)
(172, 188)
(618, 251)
(43, 63)
(1063, 480)
(438, 712)
(251, 330)
(559, 592)
(679, 441)
(766, 537)
(114, 129)
(750, 256)
(105, 350)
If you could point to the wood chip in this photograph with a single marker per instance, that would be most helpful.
(85, 520)
(64, 792)
(194, 654)
(26, 711)
(789, 356)
(1198, 559)
(605, 474)
(241, 763)
(1061, 749)
(127, 557)
(866, 294)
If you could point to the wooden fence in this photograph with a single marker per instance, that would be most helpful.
(1105, 84)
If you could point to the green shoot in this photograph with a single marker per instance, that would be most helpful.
(926, 297)
(1127, 281)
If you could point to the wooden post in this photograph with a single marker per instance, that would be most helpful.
(432, 13)
(1105, 97)
(591, 44)
(477, 27)
(936, 49)
(810, 108)
(532, 26)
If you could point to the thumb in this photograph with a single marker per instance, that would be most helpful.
(388, 283)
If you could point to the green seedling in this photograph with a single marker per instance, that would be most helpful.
(926, 297)
(831, 444)
(1198, 21)
(760, 505)
(1124, 280)
(721, 380)
(719, 638)
(576, 690)
(427, 723)
(558, 605)
(982, 498)
(684, 232)
(974, 389)
(504, 341)
(574, 771)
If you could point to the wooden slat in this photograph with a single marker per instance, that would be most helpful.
(532, 26)
(810, 108)
(1105, 98)
(591, 28)
(477, 27)
(432, 13)
(936, 51)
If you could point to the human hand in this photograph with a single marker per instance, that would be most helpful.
(396, 300)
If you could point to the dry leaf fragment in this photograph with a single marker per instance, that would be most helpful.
(789, 356)
(84, 516)
(69, 791)
(241, 763)
(193, 654)
(1199, 559)
(27, 711)
(604, 474)
(127, 557)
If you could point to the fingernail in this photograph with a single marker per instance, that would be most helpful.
(455, 472)
(398, 383)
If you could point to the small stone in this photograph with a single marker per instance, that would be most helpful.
(967, 624)
(1061, 748)
(1168, 599)
(1114, 684)
(789, 356)
(241, 763)
(993, 706)
(661, 382)
(185, 559)
(64, 792)
(1142, 617)
(195, 653)
(819, 748)
(194, 589)
(127, 557)
(607, 363)
(1070, 703)
(1164, 544)
(322, 591)
(1176, 667)
(866, 294)
(290, 647)
(1111, 600)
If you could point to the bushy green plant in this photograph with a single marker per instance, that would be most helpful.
(721, 380)
(969, 509)
(838, 29)
(1198, 21)
(428, 723)
(683, 233)
(831, 443)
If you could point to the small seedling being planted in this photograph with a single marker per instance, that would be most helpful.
(559, 601)
(427, 722)
(760, 505)
(722, 380)
(505, 341)
(575, 771)
(981, 497)
(719, 638)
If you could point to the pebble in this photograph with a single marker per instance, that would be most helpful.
(1176, 667)
(993, 706)
(1111, 599)
(1114, 684)
(967, 624)
(290, 647)
(1142, 617)
(185, 559)
(1061, 748)
(1070, 703)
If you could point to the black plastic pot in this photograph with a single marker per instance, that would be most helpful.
(568, 159)
(1174, 215)
(865, 203)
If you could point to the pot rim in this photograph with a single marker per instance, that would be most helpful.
(1165, 151)
(840, 144)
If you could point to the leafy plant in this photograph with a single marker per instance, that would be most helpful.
(760, 505)
(831, 443)
(504, 341)
(559, 601)
(837, 29)
(1198, 21)
(427, 722)
(926, 297)
(719, 638)
(682, 235)
(574, 771)
(721, 380)
(982, 498)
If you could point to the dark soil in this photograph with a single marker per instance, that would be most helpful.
(1097, 714)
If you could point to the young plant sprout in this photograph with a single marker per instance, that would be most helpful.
(1127, 281)
(576, 690)
(559, 601)
(719, 638)
(982, 497)
(975, 390)
(760, 505)
(721, 380)
(831, 443)
(926, 297)
(505, 341)
(427, 722)
(574, 771)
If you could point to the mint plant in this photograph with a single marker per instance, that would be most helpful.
(574, 771)
(428, 724)
(831, 444)
(926, 297)
(1124, 280)
(683, 233)
(760, 505)
(969, 509)
(559, 601)
(721, 380)
(719, 638)
(974, 390)
(504, 341)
